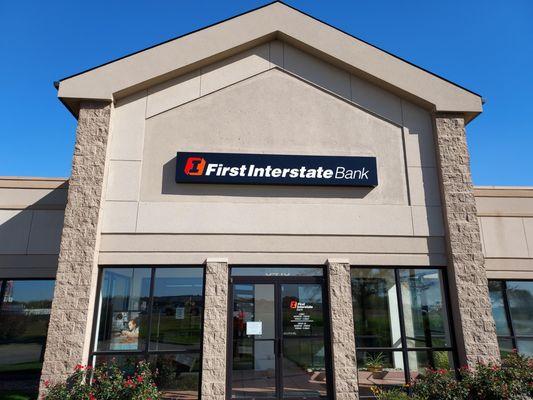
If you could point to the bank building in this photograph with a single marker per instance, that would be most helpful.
(265, 208)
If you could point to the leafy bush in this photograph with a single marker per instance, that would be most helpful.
(512, 380)
(439, 385)
(106, 382)
(390, 394)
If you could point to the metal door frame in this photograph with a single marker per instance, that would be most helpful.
(277, 281)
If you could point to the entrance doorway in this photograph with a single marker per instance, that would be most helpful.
(279, 332)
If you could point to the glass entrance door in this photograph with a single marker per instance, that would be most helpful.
(279, 347)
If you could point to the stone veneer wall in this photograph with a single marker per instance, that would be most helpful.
(475, 328)
(215, 330)
(77, 271)
(342, 330)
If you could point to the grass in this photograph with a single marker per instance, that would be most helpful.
(32, 366)
(17, 395)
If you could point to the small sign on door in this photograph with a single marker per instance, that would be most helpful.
(254, 328)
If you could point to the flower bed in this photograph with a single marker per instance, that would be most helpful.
(512, 380)
(106, 382)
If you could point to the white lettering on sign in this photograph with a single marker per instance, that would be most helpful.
(269, 172)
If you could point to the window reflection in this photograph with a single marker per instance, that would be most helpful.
(512, 309)
(392, 338)
(375, 308)
(424, 309)
(24, 315)
(498, 308)
(123, 319)
(177, 309)
(520, 295)
(165, 304)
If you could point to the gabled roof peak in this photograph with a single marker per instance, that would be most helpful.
(176, 56)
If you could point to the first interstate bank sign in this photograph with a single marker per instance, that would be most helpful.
(275, 169)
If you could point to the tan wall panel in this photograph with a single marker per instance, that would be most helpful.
(427, 221)
(510, 275)
(315, 70)
(119, 216)
(45, 234)
(28, 266)
(528, 228)
(505, 206)
(376, 99)
(418, 134)
(20, 198)
(124, 180)
(272, 258)
(270, 243)
(15, 228)
(424, 186)
(509, 264)
(304, 219)
(504, 237)
(173, 93)
(127, 128)
(235, 68)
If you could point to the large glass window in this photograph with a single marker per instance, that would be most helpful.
(25, 307)
(401, 325)
(512, 308)
(153, 314)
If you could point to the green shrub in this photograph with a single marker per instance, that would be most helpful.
(512, 380)
(106, 382)
(390, 394)
(439, 384)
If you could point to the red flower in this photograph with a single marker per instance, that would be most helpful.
(139, 378)
(91, 397)
(129, 383)
(78, 367)
(46, 383)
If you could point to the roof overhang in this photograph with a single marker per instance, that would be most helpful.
(145, 68)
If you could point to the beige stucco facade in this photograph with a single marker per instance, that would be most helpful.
(274, 81)
(30, 249)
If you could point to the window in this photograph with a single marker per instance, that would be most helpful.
(512, 308)
(25, 307)
(153, 314)
(401, 325)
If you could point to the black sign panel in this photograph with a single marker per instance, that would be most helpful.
(275, 169)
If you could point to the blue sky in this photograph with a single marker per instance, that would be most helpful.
(484, 45)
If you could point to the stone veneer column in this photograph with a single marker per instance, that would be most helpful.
(214, 350)
(471, 307)
(70, 321)
(342, 330)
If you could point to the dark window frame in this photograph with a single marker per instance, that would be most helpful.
(3, 286)
(508, 316)
(146, 352)
(404, 349)
(277, 281)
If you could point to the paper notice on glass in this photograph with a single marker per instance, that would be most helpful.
(254, 328)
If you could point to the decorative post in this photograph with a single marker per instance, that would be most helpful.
(215, 330)
(345, 382)
(69, 331)
(475, 328)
